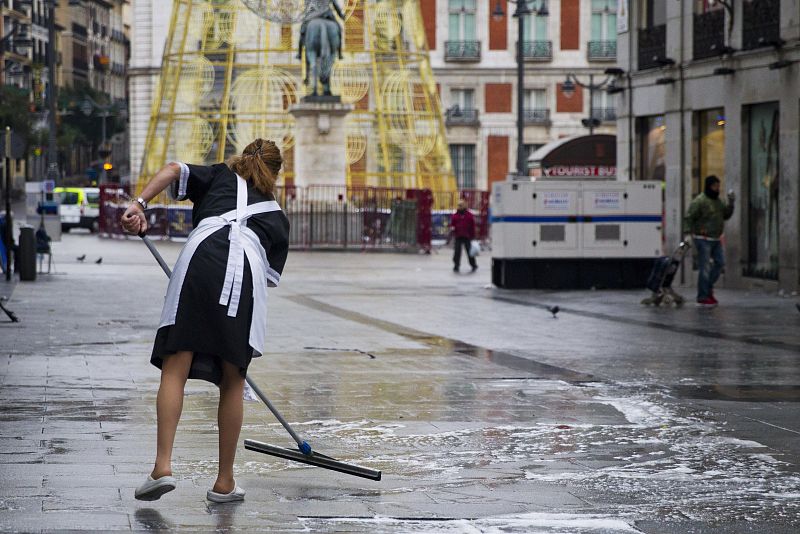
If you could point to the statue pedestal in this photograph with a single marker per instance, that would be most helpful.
(320, 153)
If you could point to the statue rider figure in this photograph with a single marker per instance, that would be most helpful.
(319, 9)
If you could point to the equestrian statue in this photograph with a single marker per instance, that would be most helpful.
(321, 37)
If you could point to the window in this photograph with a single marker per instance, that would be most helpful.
(708, 147)
(535, 99)
(69, 198)
(530, 149)
(761, 23)
(704, 6)
(462, 20)
(604, 20)
(463, 158)
(534, 25)
(652, 148)
(654, 13)
(463, 98)
(763, 174)
(93, 199)
(603, 106)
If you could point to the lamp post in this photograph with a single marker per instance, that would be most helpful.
(568, 88)
(87, 107)
(52, 92)
(519, 13)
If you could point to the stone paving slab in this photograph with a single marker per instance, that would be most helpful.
(484, 413)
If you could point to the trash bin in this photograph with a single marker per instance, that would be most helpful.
(27, 254)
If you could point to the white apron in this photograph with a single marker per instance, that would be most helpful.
(243, 242)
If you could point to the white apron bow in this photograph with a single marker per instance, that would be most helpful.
(243, 243)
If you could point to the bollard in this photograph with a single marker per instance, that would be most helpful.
(27, 254)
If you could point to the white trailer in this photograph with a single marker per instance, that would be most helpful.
(575, 234)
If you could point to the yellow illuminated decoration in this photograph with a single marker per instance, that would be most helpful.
(229, 75)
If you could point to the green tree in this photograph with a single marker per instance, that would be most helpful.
(15, 111)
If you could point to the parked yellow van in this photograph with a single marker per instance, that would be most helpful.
(79, 207)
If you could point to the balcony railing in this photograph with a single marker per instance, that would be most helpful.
(652, 46)
(761, 23)
(709, 34)
(462, 50)
(461, 117)
(79, 29)
(536, 116)
(537, 50)
(604, 114)
(602, 50)
(80, 64)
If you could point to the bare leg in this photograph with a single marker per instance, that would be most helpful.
(229, 418)
(174, 372)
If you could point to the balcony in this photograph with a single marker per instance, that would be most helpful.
(652, 46)
(601, 50)
(80, 30)
(761, 20)
(605, 114)
(536, 116)
(537, 50)
(80, 64)
(456, 116)
(709, 34)
(462, 51)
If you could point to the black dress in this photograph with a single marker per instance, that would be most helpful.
(201, 323)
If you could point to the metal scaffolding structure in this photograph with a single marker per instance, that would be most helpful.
(229, 76)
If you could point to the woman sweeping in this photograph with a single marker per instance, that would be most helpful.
(214, 317)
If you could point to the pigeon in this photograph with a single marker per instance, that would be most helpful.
(554, 310)
(99, 261)
(81, 258)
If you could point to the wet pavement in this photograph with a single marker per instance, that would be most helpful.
(484, 412)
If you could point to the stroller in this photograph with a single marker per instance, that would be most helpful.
(661, 277)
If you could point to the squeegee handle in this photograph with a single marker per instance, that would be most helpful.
(156, 254)
(305, 448)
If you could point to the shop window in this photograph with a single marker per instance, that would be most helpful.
(763, 190)
(708, 147)
(651, 141)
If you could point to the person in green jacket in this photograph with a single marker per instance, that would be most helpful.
(706, 222)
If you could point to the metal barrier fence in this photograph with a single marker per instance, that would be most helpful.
(330, 216)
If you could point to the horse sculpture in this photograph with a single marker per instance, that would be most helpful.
(323, 42)
(321, 37)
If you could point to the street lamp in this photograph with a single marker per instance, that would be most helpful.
(519, 13)
(568, 90)
(88, 106)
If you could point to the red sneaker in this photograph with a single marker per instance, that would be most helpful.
(707, 302)
(713, 299)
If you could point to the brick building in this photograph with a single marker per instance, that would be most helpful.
(473, 54)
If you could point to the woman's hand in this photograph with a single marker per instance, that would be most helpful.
(133, 220)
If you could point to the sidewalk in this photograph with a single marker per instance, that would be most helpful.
(484, 413)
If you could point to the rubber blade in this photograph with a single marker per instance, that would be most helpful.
(318, 460)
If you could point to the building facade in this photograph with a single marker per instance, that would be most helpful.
(714, 88)
(15, 31)
(94, 52)
(149, 26)
(473, 53)
(95, 45)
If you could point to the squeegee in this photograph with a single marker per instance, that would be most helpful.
(304, 453)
